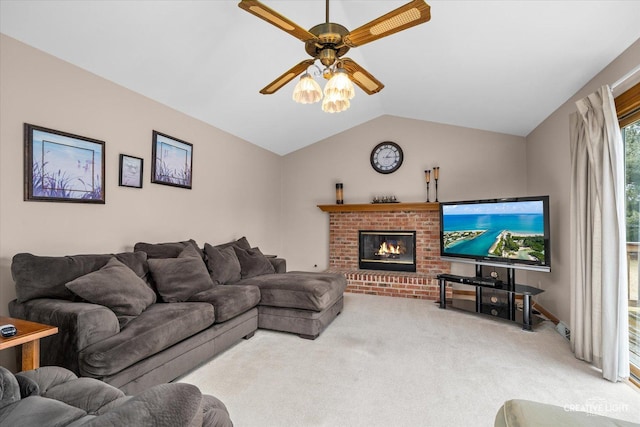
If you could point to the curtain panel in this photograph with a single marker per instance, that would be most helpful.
(599, 317)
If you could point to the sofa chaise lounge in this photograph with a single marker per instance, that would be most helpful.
(141, 318)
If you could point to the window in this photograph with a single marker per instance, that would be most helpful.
(628, 108)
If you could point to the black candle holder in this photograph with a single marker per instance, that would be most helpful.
(436, 175)
(427, 177)
(436, 190)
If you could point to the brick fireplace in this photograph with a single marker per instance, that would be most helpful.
(345, 221)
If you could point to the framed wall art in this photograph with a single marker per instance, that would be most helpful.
(130, 174)
(62, 167)
(172, 161)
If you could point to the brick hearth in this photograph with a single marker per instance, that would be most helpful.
(346, 220)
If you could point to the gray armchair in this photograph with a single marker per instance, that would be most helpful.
(51, 396)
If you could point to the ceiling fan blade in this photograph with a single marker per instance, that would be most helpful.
(411, 14)
(287, 77)
(271, 16)
(361, 77)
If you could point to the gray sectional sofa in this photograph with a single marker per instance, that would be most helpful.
(141, 318)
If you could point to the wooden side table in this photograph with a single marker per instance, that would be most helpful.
(29, 334)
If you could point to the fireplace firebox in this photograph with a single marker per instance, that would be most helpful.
(387, 250)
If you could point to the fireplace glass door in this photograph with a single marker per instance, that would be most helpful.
(387, 250)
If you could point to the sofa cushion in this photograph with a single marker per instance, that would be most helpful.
(43, 379)
(157, 328)
(215, 412)
(39, 411)
(28, 387)
(229, 301)
(46, 277)
(223, 264)
(253, 262)
(88, 394)
(165, 405)
(166, 250)
(115, 286)
(9, 387)
(178, 278)
(299, 289)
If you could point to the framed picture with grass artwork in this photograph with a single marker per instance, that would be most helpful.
(172, 161)
(62, 167)
(130, 173)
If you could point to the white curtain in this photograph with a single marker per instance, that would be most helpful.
(599, 317)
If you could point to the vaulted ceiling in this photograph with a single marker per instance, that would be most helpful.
(502, 66)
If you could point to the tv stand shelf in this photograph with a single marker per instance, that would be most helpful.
(510, 288)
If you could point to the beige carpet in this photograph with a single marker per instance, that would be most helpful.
(400, 362)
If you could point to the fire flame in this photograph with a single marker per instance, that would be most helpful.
(388, 249)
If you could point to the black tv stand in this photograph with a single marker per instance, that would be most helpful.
(510, 288)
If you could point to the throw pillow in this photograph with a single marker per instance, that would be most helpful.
(253, 262)
(242, 243)
(115, 286)
(179, 278)
(223, 264)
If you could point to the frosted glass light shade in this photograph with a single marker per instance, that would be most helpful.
(307, 91)
(340, 85)
(334, 104)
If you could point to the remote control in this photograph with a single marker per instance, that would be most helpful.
(8, 330)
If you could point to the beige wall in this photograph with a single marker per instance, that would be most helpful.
(236, 185)
(473, 164)
(548, 171)
(240, 189)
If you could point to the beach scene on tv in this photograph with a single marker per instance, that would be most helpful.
(512, 230)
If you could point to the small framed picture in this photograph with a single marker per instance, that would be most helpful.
(130, 171)
(172, 161)
(62, 167)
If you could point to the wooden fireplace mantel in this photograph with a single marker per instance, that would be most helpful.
(381, 207)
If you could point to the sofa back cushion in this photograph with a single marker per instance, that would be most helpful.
(242, 243)
(46, 276)
(166, 250)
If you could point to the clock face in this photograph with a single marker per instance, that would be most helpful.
(386, 157)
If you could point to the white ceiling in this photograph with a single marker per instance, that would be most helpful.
(502, 66)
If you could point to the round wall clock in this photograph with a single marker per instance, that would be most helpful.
(386, 157)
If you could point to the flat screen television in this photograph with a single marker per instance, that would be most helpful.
(512, 233)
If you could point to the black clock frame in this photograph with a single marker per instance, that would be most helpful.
(388, 171)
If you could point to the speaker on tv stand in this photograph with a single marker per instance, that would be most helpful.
(495, 303)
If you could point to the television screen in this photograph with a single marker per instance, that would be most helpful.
(514, 232)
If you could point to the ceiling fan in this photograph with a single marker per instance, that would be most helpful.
(328, 42)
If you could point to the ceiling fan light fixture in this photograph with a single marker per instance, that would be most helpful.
(307, 90)
(328, 43)
(335, 104)
(340, 86)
